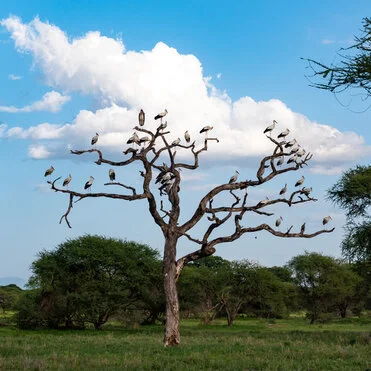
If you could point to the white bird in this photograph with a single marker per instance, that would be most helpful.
(134, 139)
(49, 171)
(162, 126)
(306, 191)
(302, 229)
(206, 129)
(300, 181)
(301, 152)
(279, 221)
(94, 140)
(263, 202)
(326, 220)
(294, 150)
(89, 183)
(270, 127)
(176, 142)
(284, 134)
(187, 137)
(112, 175)
(144, 139)
(280, 161)
(161, 115)
(292, 159)
(290, 144)
(283, 190)
(141, 117)
(67, 180)
(234, 178)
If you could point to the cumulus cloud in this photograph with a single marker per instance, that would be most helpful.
(38, 152)
(14, 77)
(51, 101)
(126, 81)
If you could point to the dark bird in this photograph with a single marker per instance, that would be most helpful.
(283, 190)
(134, 139)
(162, 126)
(94, 140)
(306, 191)
(49, 171)
(292, 159)
(300, 181)
(141, 117)
(234, 178)
(161, 115)
(112, 175)
(302, 229)
(263, 202)
(89, 183)
(279, 221)
(290, 144)
(67, 180)
(187, 137)
(326, 220)
(280, 161)
(270, 128)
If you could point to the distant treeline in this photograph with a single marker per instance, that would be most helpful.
(93, 279)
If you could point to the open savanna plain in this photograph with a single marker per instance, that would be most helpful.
(250, 344)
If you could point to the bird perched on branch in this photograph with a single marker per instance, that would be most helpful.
(89, 183)
(280, 161)
(234, 178)
(176, 142)
(263, 202)
(112, 175)
(67, 180)
(326, 220)
(270, 128)
(162, 126)
(292, 159)
(144, 139)
(94, 140)
(141, 117)
(284, 134)
(49, 171)
(283, 190)
(306, 191)
(187, 137)
(279, 221)
(300, 181)
(302, 229)
(161, 115)
(206, 129)
(290, 144)
(134, 139)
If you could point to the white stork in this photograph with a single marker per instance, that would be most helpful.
(206, 129)
(300, 181)
(187, 137)
(326, 220)
(176, 142)
(290, 144)
(280, 161)
(161, 115)
(67, 180)
(302, 229)
(162, 126)
(89, 183)
(306, 191)
(301, 152)
(144, 139)
(94, 140)
(279, 221)
(49, 171)
(234, 178)
(284, 134)
(283, 190)
(270, 128)
(292, 159)
(294, 150)
(141, 117)
(112, 175)
(134, 139)
(263, 202)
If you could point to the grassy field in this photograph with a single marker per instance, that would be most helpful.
(251, 344)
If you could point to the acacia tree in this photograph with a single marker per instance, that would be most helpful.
(159, 155)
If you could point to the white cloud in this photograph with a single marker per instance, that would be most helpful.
(327, 41)
(14, 77)
(51, 101)
(125, 81)
(219, 75)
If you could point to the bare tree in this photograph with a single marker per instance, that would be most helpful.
(157, 149)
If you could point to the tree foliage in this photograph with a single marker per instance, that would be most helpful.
(352, 71)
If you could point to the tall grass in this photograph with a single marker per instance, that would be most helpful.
(251, 344)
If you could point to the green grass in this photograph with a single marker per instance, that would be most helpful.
(251, 344)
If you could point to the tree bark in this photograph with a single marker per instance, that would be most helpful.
(172, 335)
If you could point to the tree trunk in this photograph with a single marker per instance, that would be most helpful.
(172, 336)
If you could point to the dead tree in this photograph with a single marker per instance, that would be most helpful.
(158, 157)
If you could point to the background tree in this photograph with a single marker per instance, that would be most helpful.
(90, 278)
(352, 71)
(224, 203)
(9, 296)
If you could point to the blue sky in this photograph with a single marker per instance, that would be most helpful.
(250, 50)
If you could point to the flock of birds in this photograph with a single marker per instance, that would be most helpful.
(166, 177)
